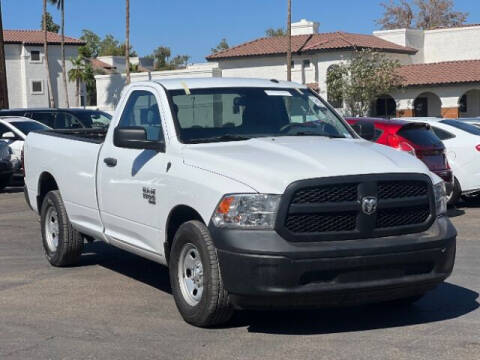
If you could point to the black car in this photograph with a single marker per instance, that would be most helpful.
(6, 168)
(64, 118)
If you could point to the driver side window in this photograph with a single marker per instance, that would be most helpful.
(142, 110)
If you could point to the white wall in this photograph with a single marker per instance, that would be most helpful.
(438, 45)
(449, 95)
(15, 80)
(21, 71)
(109, 87)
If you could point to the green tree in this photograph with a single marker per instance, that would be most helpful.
(78, 74)
(61, 6)
(180, 61)
(420, 14)
(362, 80)
(222, 45)
(161, 55)
(51, 26)
(109, 46)
(92, 47)
(271, 32)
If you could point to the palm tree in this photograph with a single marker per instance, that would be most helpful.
(127, 42)
(289, 41)
(51, 100)
(78, 74)
(3, 71)
(61, 6)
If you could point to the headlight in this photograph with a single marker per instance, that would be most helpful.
(247, 211)
(440, 198)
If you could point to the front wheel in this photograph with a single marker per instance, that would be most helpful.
(195, 277)
(456, 193)
(61, 242)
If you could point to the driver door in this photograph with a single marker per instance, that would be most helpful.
(132, 181)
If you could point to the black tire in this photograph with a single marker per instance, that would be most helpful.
(214, 307)
(70, 241)
(456, 193)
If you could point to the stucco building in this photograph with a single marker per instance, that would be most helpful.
(26, 72)
(440, 67)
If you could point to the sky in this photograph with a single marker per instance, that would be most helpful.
(193, 27)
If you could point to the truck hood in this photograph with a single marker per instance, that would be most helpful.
(269, 165)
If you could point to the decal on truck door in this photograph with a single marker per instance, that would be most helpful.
(149, 194)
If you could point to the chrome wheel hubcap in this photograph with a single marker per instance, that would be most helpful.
(190, 274)
(51, 229)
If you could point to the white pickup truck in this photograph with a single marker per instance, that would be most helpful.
(254, 193)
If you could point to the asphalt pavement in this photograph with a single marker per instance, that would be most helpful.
(115, 305)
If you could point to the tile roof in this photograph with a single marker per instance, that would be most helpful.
(35, 37)
(449, 72)
(101, 65)
(305, 43)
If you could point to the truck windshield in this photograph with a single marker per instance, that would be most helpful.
(233, 114)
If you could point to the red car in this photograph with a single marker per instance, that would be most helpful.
(417, 139)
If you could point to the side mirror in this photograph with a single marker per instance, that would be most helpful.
(365, 130)
(135, 137)
(9, 136)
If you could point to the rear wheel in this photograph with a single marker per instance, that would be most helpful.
(195, 277)
(456, 193)
(61, 242)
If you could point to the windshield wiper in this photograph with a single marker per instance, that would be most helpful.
(221, 138)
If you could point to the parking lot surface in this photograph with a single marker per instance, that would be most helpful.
(115, 305)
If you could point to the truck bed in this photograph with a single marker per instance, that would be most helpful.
(96, 136)
(70, 157)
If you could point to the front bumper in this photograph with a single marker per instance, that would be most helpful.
(261, 269)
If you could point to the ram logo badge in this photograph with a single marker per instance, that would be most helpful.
(149, 194)
(369, 205)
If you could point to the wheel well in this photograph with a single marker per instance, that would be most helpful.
(45, 184)
(179, 215)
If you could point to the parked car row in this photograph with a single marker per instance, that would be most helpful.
(16, 124)
(450, 148)
(64, 118)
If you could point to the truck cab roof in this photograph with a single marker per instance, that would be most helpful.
(198, 83)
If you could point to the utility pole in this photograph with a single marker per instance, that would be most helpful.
(3, 69)
(289, 47)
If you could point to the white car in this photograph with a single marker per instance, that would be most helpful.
(471, 121)
(462, 141)
(255, 193)
(14, 130)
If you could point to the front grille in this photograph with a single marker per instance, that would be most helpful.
(331, 209)
(402, 216)
(328, 193)
(401, 189)
(321, 223)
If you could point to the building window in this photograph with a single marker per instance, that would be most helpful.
(37, 87)
(306, 63)
(463, 104)
(292, 64)
(35, 56)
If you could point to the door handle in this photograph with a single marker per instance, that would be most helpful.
(111, 162)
